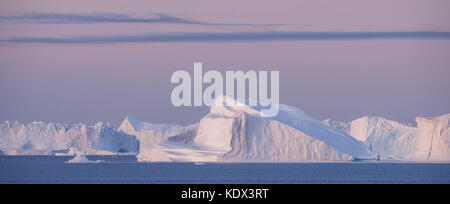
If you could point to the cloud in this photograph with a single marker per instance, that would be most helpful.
(54, 18)
(240, 37)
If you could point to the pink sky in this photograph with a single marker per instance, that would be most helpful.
(397, 79)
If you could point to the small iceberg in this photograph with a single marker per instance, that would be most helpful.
(80, 159)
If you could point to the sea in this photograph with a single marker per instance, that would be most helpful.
(126, 170)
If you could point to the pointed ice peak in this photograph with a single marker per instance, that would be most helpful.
(131, 120)
(131, 124)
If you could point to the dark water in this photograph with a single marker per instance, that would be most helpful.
(125, 169)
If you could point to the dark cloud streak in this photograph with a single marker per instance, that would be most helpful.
(241, 37)
(49, 18)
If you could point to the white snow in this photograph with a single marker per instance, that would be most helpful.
(239, 134)
(392, 140)
(41, 138)
(430, 141)
(433, 140)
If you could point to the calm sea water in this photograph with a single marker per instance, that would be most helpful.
(125, 169)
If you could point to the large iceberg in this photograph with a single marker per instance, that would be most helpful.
(390, 139)
(41, 138)
(239, 134)
(433, 139)
(429, 141)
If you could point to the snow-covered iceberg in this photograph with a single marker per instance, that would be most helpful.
(41, 138)
(390, 139)
(239, 134)
(433, 139)
(429, 141)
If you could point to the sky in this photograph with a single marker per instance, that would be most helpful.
(87, 61)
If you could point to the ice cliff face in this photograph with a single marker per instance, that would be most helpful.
(433, 139)
(390, 139)
(239, 134)
(46, 138)
(430, 141)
